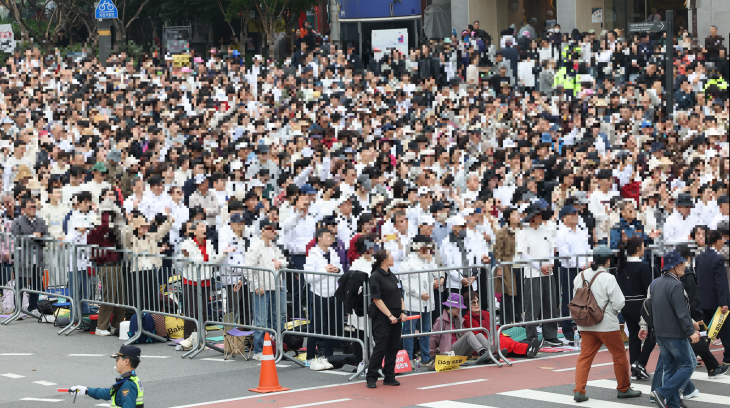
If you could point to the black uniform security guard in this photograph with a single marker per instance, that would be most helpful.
(387, 295)
(127, 391)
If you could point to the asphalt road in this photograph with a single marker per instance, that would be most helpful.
(34, 362)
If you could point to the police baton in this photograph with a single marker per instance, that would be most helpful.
(69, 391)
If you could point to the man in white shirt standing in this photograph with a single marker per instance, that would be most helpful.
(324, 312)
(598, 205)
(571, 241)
(398, 242)
(264, 253)
(536, 241)
(679, 224)
(299, 228)
(156, 201)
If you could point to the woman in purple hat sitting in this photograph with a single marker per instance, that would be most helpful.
(461, 343)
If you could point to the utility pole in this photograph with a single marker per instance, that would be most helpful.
(334, 22)
(669, 50)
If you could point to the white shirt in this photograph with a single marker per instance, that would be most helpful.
(703, 213)
(415, 284)
(322, 285)
(398, 248)
(535, 244)
(346, 229)
(677, 228)
(151, 204)
(597, 206)
(571, 243)
(300, 229)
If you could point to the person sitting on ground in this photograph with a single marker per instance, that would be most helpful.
(480, 318)
(461, 343)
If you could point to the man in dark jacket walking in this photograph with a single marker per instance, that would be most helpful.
(713, 286)
(673, 326)
(30, 228)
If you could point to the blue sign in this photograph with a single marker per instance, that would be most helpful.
(364, 9)
(106, 9)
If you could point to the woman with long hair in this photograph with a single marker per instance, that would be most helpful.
(387, 312)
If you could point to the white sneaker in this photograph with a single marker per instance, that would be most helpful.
(258, 356)
(325, 364)
(100, 332)
(188, 343)
(694, 393)
(316, 365)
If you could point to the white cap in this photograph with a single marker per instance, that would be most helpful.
(426, 220)
(457, 220)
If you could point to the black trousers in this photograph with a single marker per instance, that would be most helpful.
(512, 305)
(724, 334)
(632, 315)
(387, 346)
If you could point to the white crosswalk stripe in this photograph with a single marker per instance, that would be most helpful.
(564, 399)
(598, 399)
(702, 376)
(451, 404)
(646, 389)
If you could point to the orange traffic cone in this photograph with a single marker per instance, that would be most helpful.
(268, 379)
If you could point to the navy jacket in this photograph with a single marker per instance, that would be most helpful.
(712, 280)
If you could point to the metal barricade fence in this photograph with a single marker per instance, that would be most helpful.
(425, 291)
(321, 316)
(248, 298)
(8, 282)
(40, 266)
(537, 291)
(105, 278)
(656, 252)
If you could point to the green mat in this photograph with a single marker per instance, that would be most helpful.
(219, 338)
(518, 334)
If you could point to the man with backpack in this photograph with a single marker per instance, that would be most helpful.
(597, 301)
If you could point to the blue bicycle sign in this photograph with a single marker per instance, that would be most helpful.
(106, 9)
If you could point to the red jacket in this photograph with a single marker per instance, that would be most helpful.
(104, 237)
(477, 320)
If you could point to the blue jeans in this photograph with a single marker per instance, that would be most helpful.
(79, 293)
(679, 363)
(423, 325)
(265, 315)
(657, 380)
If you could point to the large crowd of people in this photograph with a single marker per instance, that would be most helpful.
(467, 151)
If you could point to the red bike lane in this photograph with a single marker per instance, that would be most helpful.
(418, 388)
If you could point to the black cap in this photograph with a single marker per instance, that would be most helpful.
(130, 352)
(604, 174)
(329, 220)
(437, 206)
(265, 223)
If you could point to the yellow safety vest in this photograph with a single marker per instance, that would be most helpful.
(140, 393)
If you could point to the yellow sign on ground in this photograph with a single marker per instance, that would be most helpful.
(716, 324)
(447, 363)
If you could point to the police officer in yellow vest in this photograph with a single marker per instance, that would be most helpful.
(127, 391)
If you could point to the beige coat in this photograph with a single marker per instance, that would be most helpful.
(149, 245)
(504, 251)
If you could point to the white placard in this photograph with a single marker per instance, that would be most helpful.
(382, 40)
(7, 38)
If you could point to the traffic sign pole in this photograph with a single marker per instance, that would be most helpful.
(669, 49)
(105, 41)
